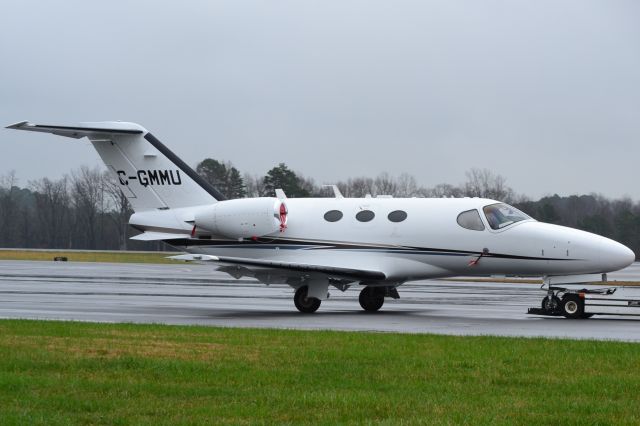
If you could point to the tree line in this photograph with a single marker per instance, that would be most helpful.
(86, 209)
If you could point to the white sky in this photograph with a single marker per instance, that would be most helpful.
(546, 93)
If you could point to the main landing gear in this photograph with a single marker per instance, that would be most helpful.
(305, 304)
(371, 298)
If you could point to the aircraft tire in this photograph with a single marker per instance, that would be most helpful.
(306, 305)
(371, 299)
(572, 307)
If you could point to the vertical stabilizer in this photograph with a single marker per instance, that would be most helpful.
(150, 175)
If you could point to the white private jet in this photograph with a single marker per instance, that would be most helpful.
(313, 243)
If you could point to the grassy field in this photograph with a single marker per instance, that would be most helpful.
(81, 373)
(88, 256)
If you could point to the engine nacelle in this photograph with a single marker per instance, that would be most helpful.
(243, 218)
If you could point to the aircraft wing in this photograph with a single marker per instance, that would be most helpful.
(330, 271)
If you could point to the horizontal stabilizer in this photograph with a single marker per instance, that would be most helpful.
(159, 236)
(194, 257)
(83, 129)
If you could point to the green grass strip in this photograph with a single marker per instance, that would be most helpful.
(84, 373)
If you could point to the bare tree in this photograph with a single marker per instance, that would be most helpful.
(343, 187)
(88, 198)
(118, 207)
(407, 186)
(254, 185)
(486, 184)
(52, 212)
(8, 209)
(358, 187)
(444, 190)
(385, 184)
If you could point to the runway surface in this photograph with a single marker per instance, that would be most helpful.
(197, 294)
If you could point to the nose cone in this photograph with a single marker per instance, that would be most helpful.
(615, 255)
(589, 253)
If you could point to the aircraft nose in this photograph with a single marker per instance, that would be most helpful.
(617, 255)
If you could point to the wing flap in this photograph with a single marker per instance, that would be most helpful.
(340, 272)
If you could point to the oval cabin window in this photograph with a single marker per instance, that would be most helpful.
(365, 216)
(397, 216)
(333, 215)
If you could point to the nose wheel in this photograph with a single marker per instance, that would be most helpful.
(562, 302)
(551, 303)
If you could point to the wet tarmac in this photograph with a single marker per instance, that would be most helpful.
(197, 294)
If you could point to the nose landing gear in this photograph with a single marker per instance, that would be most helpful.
(569, 303)
(551, 302)
(561, 301)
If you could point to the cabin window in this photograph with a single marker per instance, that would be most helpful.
(501, 215)
(470, 219)
(365, 216)
(333, 215)
(397, 216)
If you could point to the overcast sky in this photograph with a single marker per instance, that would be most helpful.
(546, 93)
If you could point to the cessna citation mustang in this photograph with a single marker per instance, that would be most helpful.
(313, 243)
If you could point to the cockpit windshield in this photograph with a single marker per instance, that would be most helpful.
(501, 215)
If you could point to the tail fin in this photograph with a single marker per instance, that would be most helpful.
(150, 175)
